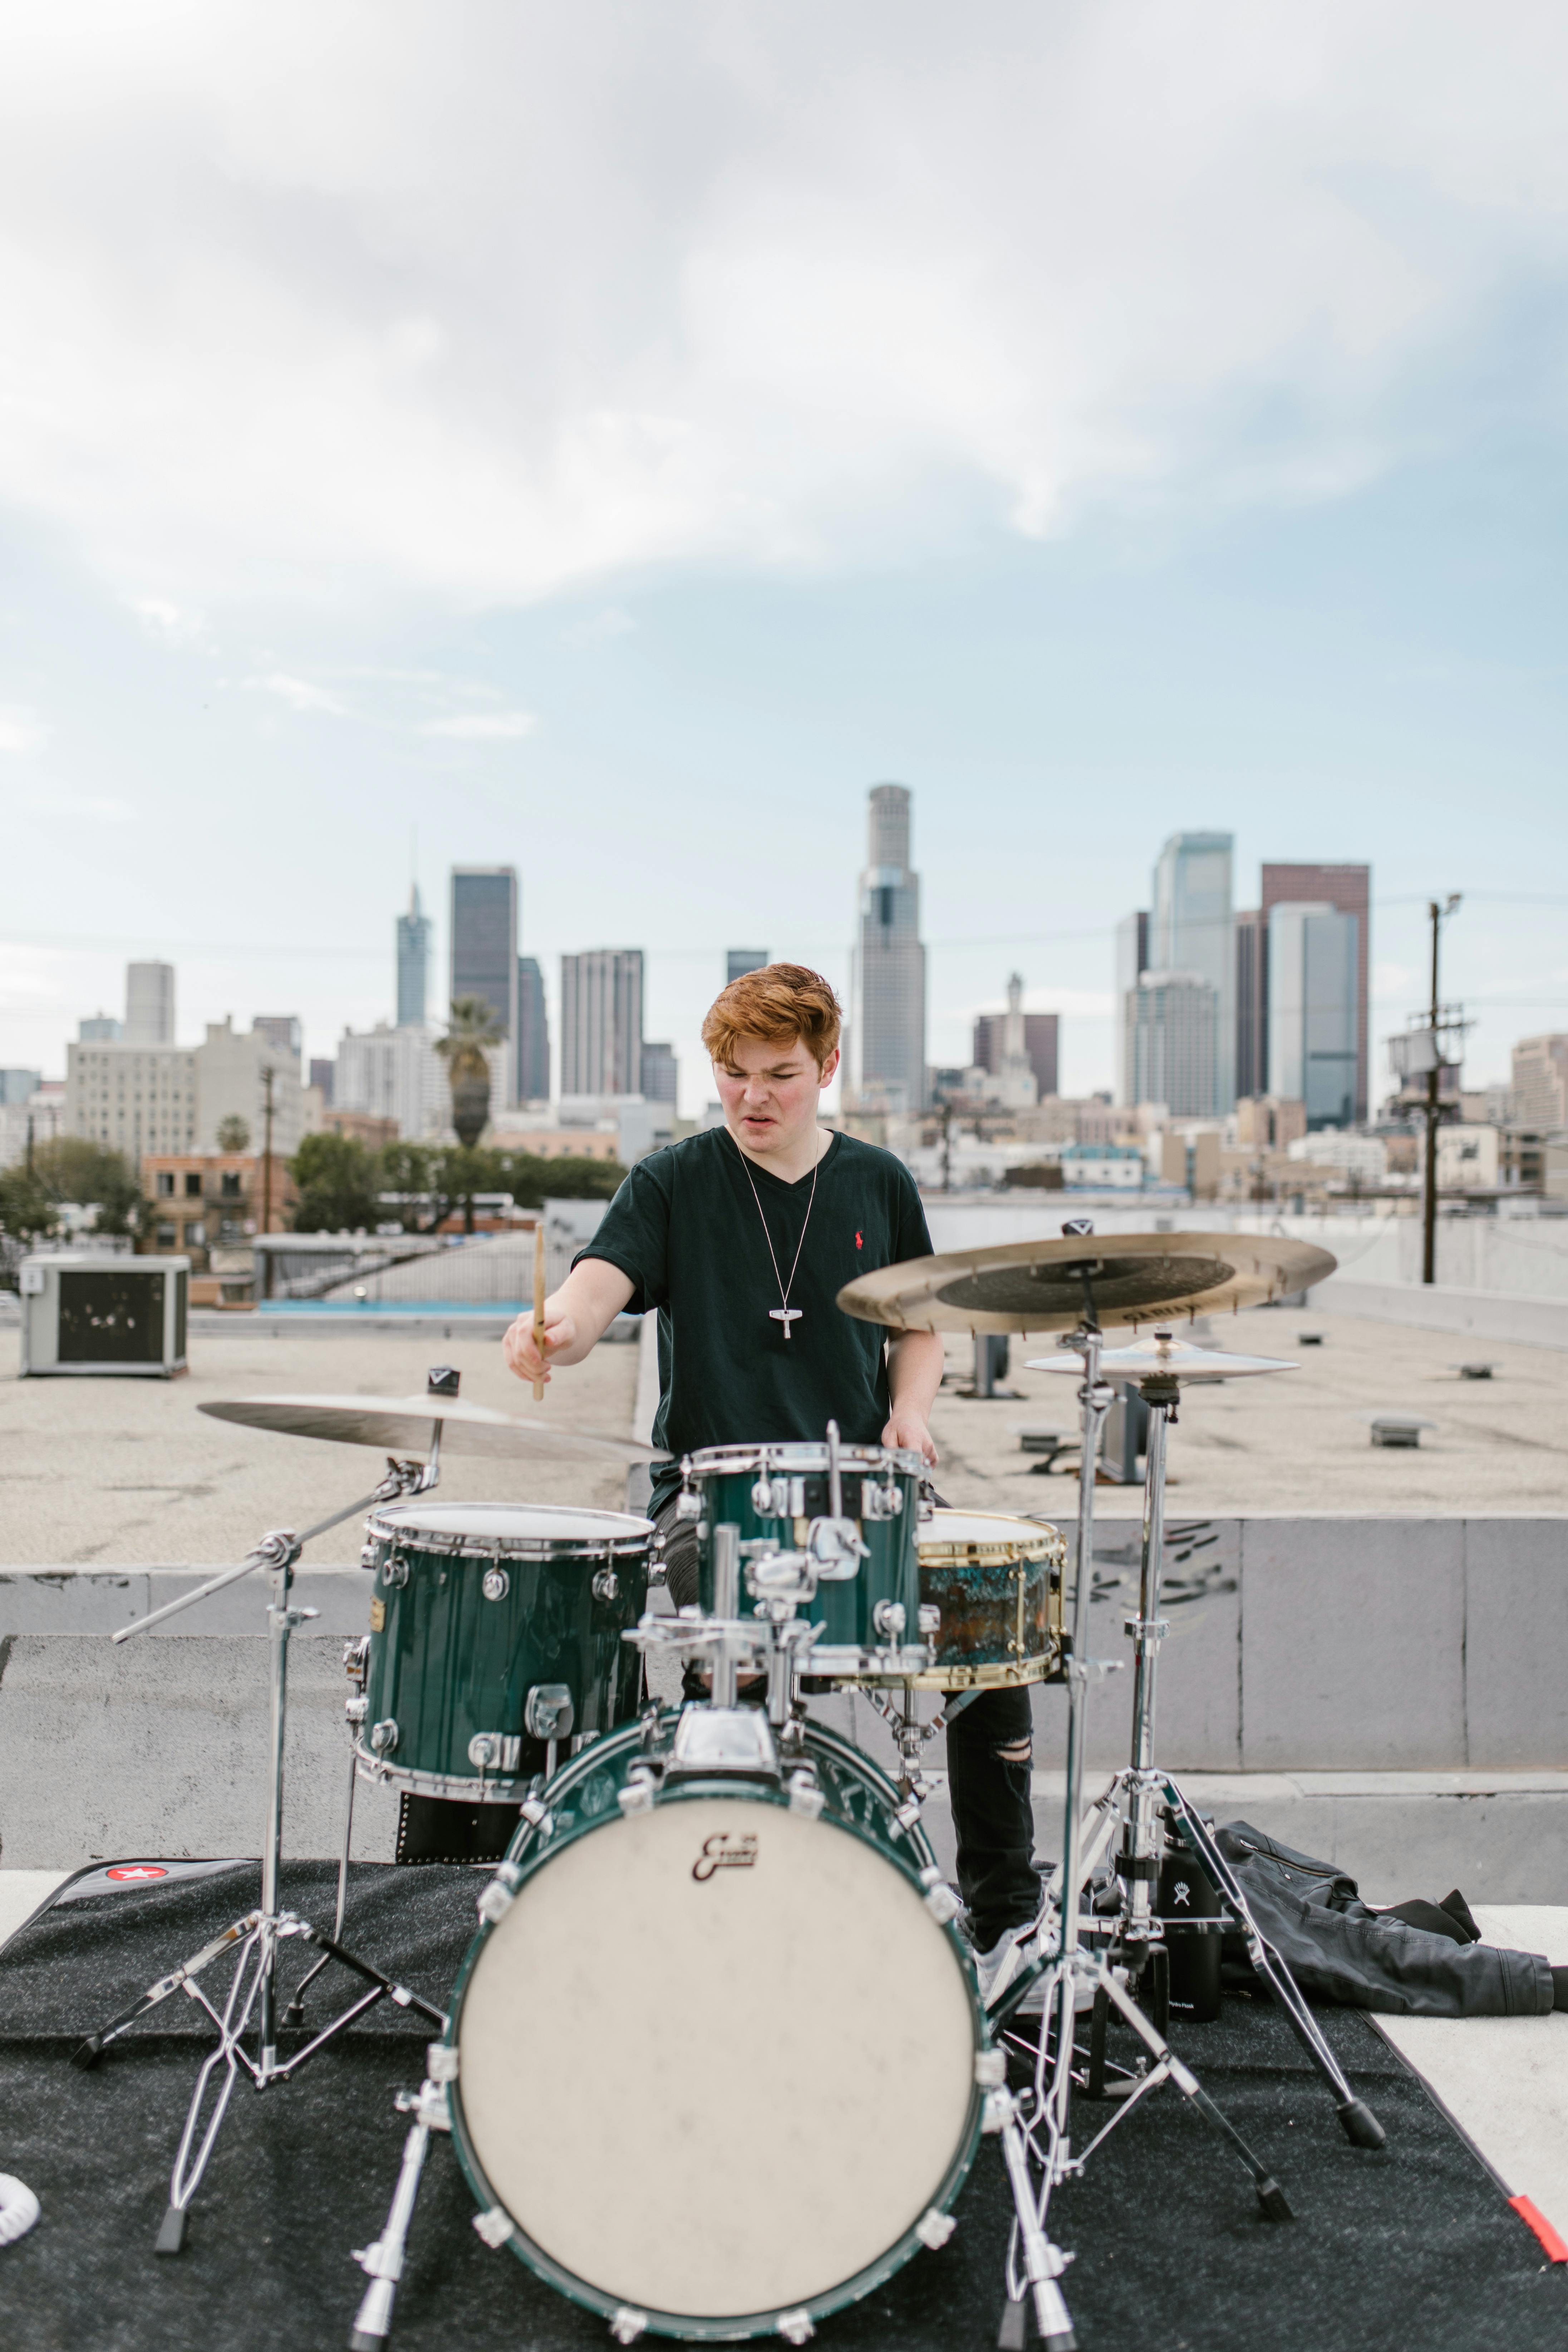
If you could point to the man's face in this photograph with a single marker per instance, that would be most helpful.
(770, 1092)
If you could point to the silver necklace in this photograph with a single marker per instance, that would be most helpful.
(783, 1312)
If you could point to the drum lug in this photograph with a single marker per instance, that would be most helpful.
(394, 1571)
(495, 1584)
(943, 1903)
(356, 1709)
(493, 1906)
(637, 1797)
(607, 1585)
(627, 2324)
(440, 2062)
(795, 2326)
(495, 1751)
(369, 1554)
(496, 2227)
(929, 1618)
(889, 1619)
(805, 1795)
(990, 2069)
(548, 1711)
(934, 2228)
(384, 1736)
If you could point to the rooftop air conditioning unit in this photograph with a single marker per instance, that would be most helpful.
(86, 1312)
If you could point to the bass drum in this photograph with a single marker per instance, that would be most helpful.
(717, 2057)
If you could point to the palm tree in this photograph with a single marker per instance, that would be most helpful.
(473, 1027)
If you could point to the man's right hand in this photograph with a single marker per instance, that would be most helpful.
(522, 1350)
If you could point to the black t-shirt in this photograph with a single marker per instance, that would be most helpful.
(687, 1233)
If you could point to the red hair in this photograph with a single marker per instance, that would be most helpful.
(779, 1003)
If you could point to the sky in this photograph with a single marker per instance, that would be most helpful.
(610, 440)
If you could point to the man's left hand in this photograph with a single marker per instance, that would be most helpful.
(908, 1428)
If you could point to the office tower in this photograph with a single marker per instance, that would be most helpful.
(483, 961)
(740, 960)
(394, 1074)
(1132, 963)
(886, 1044)
(660, 1074)
(1538, 1097)
(149, 1004)
(1251, 1005)
(99, 1031)
(1040, 1046)
(601, 1021)
(412, 962)
(281, 1029)
(1168, 1024)
(323, 1074)
(16, 1086)
(1190, 930)
(1313, 965)
(232, 1067)
(134, 1098)
(1348, 887)
(532, 1033)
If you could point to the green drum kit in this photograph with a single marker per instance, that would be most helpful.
(701, 1898)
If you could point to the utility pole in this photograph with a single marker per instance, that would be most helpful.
(1429, 1190)
(267, 1172)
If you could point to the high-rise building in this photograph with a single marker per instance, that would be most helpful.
(1538, 1097)
(1132, 963)
(1348, 887)
(484, 946)
(660, 1074)
(1251, 1005)
(101, 1030)
(1040, 1046)
(413, 931)
(15, 1085)
(1169, 1023)
(232, 1067)
(1313, 953)
(134, 1098)
(282, 1030)
(601, 1021)
(532, 1033)
(395, 1074)
(1190, 930)
(887, 1045)
(740, 960)
(149, 1004)
(324, 1075)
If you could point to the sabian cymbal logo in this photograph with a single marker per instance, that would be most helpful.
(724, 1851)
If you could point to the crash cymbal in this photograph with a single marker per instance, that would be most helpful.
(1047, 1286)
(403, 1426)
(1161, 1354)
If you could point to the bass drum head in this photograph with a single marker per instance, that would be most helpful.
(716, 2062)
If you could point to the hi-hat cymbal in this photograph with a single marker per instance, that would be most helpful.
(1163, 1353)
(403, 1426)
(1049, 1286)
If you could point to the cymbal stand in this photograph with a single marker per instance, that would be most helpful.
(255, 1939)
(1043, 2116)
(1142, 1799)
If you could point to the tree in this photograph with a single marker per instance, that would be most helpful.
(73, 1168)
(472, 1028)
(531, 1180)
(338, 1181)
(233, 1134)
(26, 1209)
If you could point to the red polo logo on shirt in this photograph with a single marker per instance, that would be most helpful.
(857, 1241)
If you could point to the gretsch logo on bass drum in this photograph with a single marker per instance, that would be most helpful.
(724, 1852)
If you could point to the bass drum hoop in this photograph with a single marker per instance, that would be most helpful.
(731, 2327)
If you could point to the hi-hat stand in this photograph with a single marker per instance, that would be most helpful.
(255, 1940)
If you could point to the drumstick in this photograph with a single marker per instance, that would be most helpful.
(538, 1301)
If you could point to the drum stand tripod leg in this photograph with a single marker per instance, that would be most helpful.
(1042, 2263)
(295, 2013)
(383, 2260)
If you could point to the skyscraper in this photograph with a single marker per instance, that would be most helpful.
(1348, 887)
(1251, 1005)
(1132, 961)
(1040, 1046)
(1168, 1024)
(601, 1021)
(532, 1033)
(1190, 930)
(660, 1074)
(1313, 959)
(149, 1004)
(413, 963)
(740, 960)
(886, 1044)
(484, 945)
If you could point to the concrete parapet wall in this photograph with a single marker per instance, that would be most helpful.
(1538, 1322)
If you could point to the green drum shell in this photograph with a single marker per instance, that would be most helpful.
(446, 1664)
(725, 1475)
(861, 1802)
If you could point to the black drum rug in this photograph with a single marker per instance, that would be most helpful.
(1412, 2245)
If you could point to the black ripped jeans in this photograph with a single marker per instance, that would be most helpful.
(989, 1763)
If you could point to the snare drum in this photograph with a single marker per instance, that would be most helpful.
(717, 2045)
(774, 1492)
(997, 1584)
(495, 1629)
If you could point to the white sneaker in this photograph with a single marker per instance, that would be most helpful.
(1008, 1957)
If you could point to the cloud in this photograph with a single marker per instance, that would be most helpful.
(602, 629)
(494, 303)
(166, 622)
(300, 694)
(22, 730)
(482, 726)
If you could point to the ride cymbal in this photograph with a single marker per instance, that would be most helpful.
(1051, 1285)
(403, 1426)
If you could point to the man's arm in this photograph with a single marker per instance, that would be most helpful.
(580, 1312)
(914, 1376)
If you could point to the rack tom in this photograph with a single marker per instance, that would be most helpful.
(495, 1631)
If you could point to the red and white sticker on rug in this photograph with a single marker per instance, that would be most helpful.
(137, 1870)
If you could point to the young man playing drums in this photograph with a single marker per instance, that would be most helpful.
(741, 1237)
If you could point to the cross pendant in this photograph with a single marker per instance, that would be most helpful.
(786, 1316)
